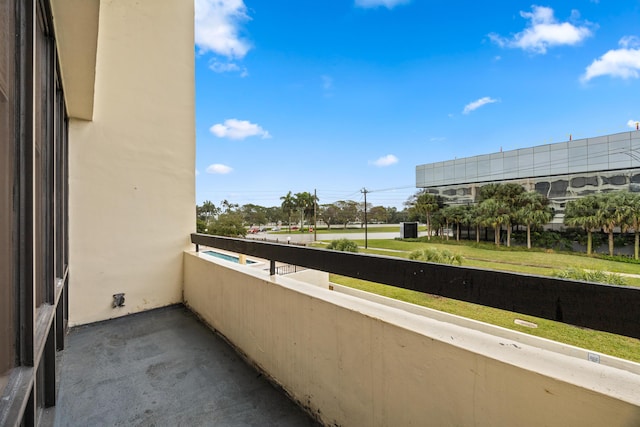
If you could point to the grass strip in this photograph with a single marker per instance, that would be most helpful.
(600, 342)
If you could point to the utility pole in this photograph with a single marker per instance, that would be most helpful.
(365, 191)
(315, 215)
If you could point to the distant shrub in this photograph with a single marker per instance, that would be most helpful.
(620, 258)
(437, 256)
(545, 239)
(344, 245)
(596, 276)
(551, 240)
(580, 236)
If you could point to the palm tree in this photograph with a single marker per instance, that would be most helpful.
(227, 206)
(207, 211)
(456, 215)
(632, 218)
(507, 195)
(611, 213)
(583, 213)
(533, 211)
(424, 204)
(473, 217)
(305, 202)
(288, 205)
(626, 208)
(494, 213)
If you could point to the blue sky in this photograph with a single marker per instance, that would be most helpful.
(340, 95)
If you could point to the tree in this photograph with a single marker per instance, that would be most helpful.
(396, 216)
(253, 214)
(494, 213)
(205, 214)
(583, 213)
(533, 211)
(227, 206)
(201, 226)
(328, 214)
(207, 211)
(275, 215)
(305, 203)
(456, 215)
(630, 203)
(489, 191)
(610, 214)
(509, 194)
(347, 211)
(423, 205)
(228, 224)
(288, 205)
(507, 197)
(475, 218)
(378, 214)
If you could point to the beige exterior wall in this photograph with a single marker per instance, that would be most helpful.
(132, 168)
(355, 362)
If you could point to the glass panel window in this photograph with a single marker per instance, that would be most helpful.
(7, 182)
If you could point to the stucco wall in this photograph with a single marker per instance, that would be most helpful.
(132, 168)
(354, 362)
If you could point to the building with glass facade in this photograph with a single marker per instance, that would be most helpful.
(561, 171)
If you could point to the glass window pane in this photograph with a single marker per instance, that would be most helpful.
(7, 157)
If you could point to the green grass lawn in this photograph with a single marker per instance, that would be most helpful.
(528, 262)
(601, 342)
(516, 260)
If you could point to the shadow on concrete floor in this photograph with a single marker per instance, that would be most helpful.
(163, 367)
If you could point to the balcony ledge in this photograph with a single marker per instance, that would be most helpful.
(346, 346)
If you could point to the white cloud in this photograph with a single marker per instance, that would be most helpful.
(389, 4)
(477, 104)
(633, 124)
(197, 172)
(228, 67)
(623, 62)
(387, 160)
(217, 27)
(220, 169)
(238, 129)
(544, 31)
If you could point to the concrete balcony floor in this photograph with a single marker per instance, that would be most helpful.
(163, 367)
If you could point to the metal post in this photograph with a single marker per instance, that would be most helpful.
(315, 216)
(272, 268)
(364, 190)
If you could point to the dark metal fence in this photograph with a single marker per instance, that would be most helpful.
(608, 308)
(281, 270)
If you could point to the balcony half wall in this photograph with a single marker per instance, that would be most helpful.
(353, 361)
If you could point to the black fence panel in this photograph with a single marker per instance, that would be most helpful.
(608, 308)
